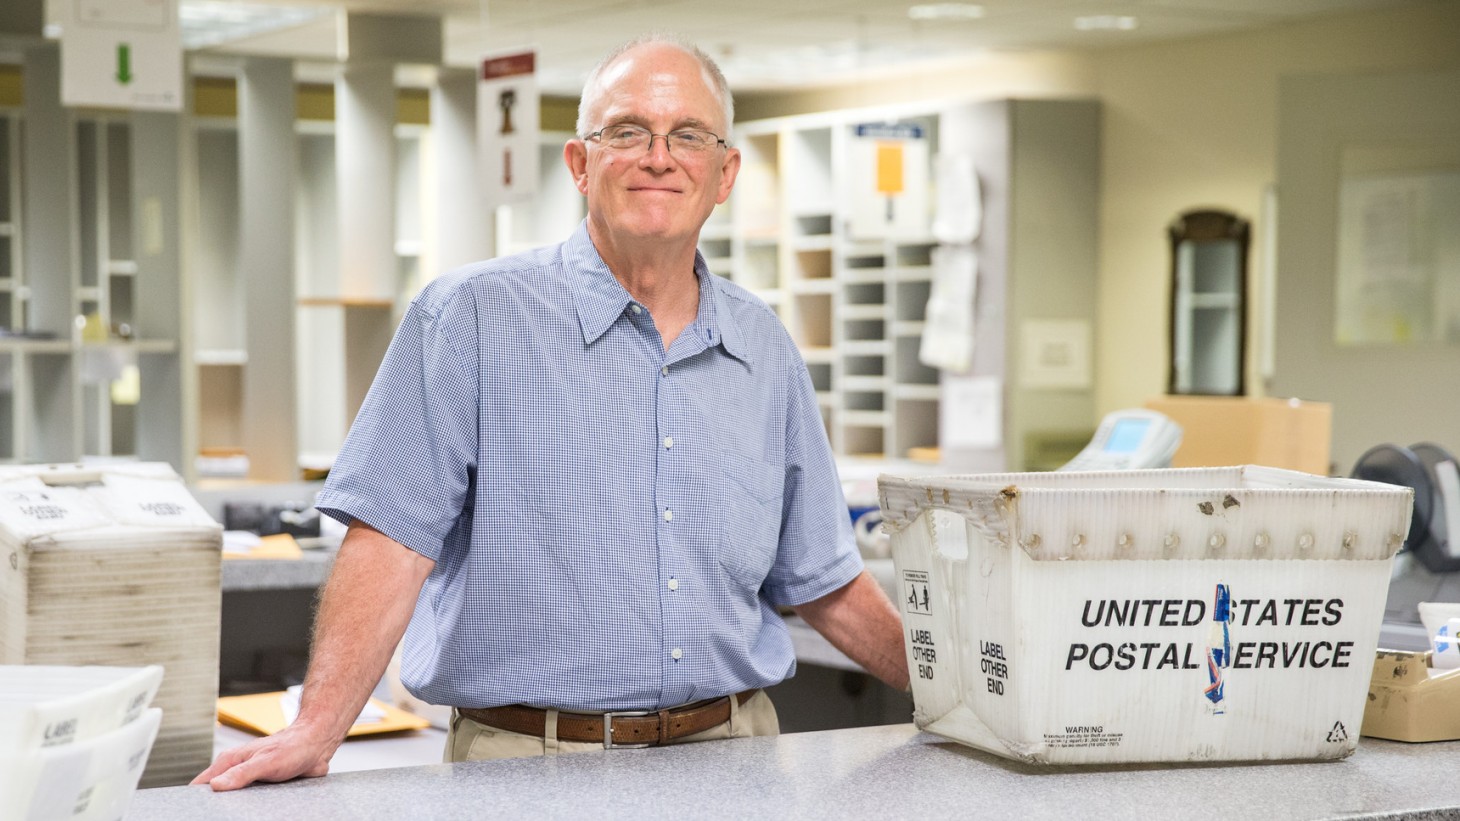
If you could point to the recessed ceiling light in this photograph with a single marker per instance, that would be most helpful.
(1106, 22)
(945, 11)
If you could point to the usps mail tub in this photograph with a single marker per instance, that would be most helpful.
(1160, 615)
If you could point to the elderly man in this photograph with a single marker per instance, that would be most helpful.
(586, 476)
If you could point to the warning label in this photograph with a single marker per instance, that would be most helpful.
(915, 597)
(1091, 735)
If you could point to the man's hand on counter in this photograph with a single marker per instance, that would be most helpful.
(363, 612)
(289, 753)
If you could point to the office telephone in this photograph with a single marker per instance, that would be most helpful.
(1131, 439)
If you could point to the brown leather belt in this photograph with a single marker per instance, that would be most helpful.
(618, 729)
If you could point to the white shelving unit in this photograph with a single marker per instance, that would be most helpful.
(855, 305)
(88, 280)
(339, 336)
(849, 304)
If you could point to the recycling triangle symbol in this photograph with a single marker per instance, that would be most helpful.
(1338, 733)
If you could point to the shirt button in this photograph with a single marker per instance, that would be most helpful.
(668, 515)
(664, 371)
(675, 653)
(668, 441)
(636, 309)
(674, 584)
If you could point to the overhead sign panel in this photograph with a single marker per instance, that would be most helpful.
(121, 54)
(507, 127)
(889, 182)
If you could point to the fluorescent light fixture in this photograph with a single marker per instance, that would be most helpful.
(1106, 22)
(945, 11)
(211, 22)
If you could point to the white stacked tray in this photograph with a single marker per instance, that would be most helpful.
(1202, 614)
(117, 568)
(43, 706)
(74, 740)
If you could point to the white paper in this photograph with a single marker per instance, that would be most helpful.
(289, 703)
(948, 329)
(971, 412)
(958, 217)
(1055, 354)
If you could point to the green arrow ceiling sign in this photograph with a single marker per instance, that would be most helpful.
(120, 54)
(124, 63)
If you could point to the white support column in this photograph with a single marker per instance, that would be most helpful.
(266, 266)
(463, 223)
(50, 394)
(365, 175)
(159, 296)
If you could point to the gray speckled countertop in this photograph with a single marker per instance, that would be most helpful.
(871, 772)
(308, 571)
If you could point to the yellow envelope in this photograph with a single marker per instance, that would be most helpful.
(278, 546)
(260, 713)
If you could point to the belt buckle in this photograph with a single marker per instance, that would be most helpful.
(608, 742)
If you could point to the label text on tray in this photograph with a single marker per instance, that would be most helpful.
(1188, 612)
(993, 665)
(1172, 655)
(925, 654)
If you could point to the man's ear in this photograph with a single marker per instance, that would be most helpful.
(728, 172)
(575, 156)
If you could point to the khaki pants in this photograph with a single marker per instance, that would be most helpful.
(467, 740)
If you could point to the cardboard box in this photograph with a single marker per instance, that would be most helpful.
(1158, 615)
(1238, 430)
(1407, 703)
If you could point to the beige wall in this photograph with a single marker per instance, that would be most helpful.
(1186, 124)
(1195, 124)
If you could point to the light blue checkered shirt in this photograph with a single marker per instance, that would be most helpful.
(613, 525)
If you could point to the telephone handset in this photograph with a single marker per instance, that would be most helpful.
(1132, 439)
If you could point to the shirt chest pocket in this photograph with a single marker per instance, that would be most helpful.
(751, 506)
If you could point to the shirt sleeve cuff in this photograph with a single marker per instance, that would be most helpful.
(346, 508)
(835, 578)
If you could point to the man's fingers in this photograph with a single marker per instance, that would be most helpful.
(220, 765)
(265, 760)
(259, 767)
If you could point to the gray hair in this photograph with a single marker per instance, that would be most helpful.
(711, 73)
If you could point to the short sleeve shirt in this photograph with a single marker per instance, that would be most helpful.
(613, 525)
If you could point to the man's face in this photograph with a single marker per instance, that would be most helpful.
(653, 193)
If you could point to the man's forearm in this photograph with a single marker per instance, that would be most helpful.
(862, 622)
(363, 612)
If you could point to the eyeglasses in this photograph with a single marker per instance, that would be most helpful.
(627, 137)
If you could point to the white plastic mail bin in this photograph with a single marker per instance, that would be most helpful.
(1143, 616)
(117, 566)
(74, 740)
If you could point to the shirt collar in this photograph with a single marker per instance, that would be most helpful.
(600, 299)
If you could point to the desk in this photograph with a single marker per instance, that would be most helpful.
(868, 772)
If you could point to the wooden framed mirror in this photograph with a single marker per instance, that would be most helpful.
(1208, 303)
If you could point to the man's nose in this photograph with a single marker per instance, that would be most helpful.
(658, 155)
